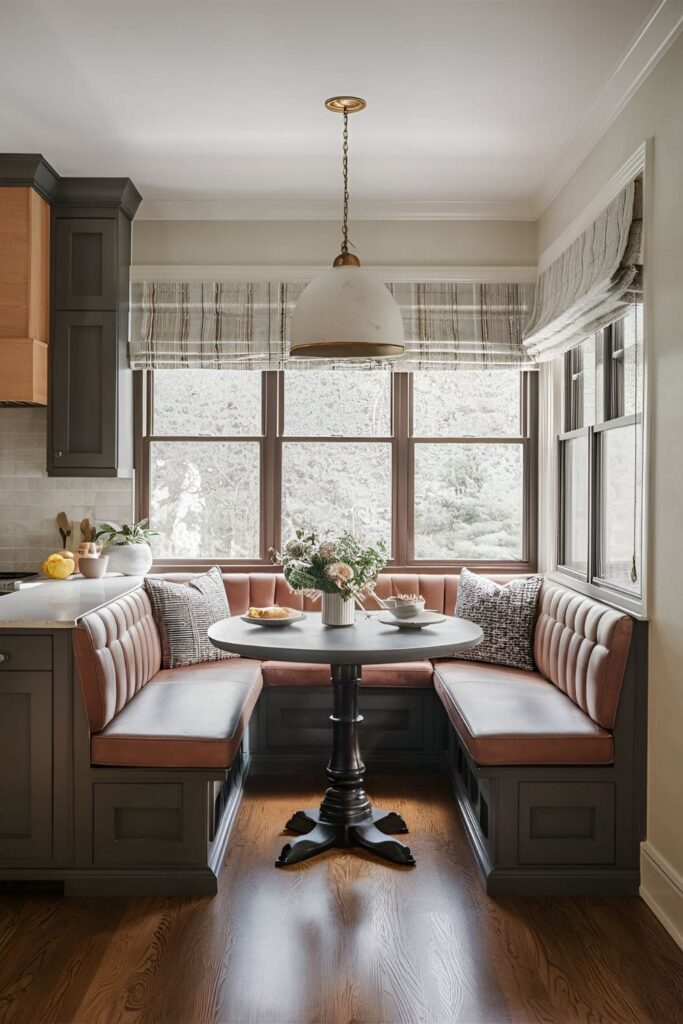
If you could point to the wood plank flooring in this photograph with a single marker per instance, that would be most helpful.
(340, 939)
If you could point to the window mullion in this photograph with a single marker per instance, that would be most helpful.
(401, 462)
(271, 468)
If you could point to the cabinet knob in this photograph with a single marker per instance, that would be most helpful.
(3, 657)
(58, 455)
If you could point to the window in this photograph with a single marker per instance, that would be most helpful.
(600, 530)
(438, 465)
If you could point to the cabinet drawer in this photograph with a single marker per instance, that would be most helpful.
(562, 823)
(25, 653)
(150, 823)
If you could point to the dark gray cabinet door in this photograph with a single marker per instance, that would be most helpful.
(84, 391)
(25, 766)
(85, 263)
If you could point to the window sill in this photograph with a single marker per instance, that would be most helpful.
(170, 565)
(634, 606)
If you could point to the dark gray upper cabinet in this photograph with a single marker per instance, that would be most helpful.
(85, 263)
(91, 388)
(84, 376)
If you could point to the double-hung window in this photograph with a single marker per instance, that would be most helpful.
(440, 465)
(601, 458)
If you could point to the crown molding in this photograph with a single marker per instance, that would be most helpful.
(634, 166)
(655, 38)
(119, 193)
(363, 209)
(30, 170)
(283, 272)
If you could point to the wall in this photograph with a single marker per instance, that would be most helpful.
(30, 500)
(655, 111)
(386, 243)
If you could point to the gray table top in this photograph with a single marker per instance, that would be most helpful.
(368, 642)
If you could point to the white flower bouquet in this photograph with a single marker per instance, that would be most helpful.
(313, 563)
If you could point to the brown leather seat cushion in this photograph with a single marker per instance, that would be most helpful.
(296, 673)
(191, 717)
(508, 716)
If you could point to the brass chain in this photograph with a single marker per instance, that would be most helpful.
(345, 150)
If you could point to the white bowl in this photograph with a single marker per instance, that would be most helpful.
(408, 610)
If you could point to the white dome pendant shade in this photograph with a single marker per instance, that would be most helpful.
(346, 312)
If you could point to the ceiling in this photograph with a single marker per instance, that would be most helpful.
(475, 107)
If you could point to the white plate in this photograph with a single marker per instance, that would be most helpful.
(423, 619)
(294, 616)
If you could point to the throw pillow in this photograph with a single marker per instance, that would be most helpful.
(506, 614)
(183, 613)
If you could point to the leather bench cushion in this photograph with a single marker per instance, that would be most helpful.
(295, 673)
(190, 717)
(510, 716)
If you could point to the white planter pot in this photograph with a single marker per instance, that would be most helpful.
(337, 611)
(130, 559)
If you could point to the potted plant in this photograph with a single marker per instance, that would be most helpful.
(341, 570)
(127, 547)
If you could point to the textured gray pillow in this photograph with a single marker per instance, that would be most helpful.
(506, 614)
(183, 613)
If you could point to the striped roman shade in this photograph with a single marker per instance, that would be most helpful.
(242, 325)
(592, 282)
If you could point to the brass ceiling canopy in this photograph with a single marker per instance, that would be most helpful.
(345, 104)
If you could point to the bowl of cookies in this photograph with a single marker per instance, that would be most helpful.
(272, 615)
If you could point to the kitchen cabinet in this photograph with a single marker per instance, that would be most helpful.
(91, 384)
(85, 389)
(26, 749)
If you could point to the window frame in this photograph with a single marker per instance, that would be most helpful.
(403, 444)
(608, 416)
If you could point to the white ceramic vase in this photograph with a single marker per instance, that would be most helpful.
(130, 559)
(338, 611)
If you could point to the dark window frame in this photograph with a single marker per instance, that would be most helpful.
(609, 346)
(403, 444)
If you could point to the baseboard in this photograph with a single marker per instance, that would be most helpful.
(562, 882)
(661, 887)
(140, 882)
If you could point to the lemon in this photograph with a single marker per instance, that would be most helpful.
(58, 567)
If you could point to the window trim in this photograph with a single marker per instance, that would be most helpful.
(402, 443)
(591, 583)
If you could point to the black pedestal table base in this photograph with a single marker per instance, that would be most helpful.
(346, 817)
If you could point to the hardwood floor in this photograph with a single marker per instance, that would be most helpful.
(340, 939)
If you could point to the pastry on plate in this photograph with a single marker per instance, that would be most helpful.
(270, 612)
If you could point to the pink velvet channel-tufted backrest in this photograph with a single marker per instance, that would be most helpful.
(117, 652)
(582, 647)
(263, 588)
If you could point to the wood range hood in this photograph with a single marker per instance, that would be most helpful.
(24, 290)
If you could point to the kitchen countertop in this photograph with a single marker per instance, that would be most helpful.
(60, 604)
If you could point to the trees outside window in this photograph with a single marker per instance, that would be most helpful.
(439, 465)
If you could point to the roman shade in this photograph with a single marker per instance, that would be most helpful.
(592, 282)
(242, 325)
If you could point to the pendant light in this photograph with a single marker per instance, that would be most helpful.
(346, 312)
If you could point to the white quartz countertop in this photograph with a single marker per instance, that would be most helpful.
(60, 604)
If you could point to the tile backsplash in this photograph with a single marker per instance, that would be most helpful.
(30, 500)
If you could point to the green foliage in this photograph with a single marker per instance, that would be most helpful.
(313, 561)
(135, 533)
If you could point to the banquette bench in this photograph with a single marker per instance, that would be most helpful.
(547, 766)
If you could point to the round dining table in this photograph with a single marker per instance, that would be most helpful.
(345, 816)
